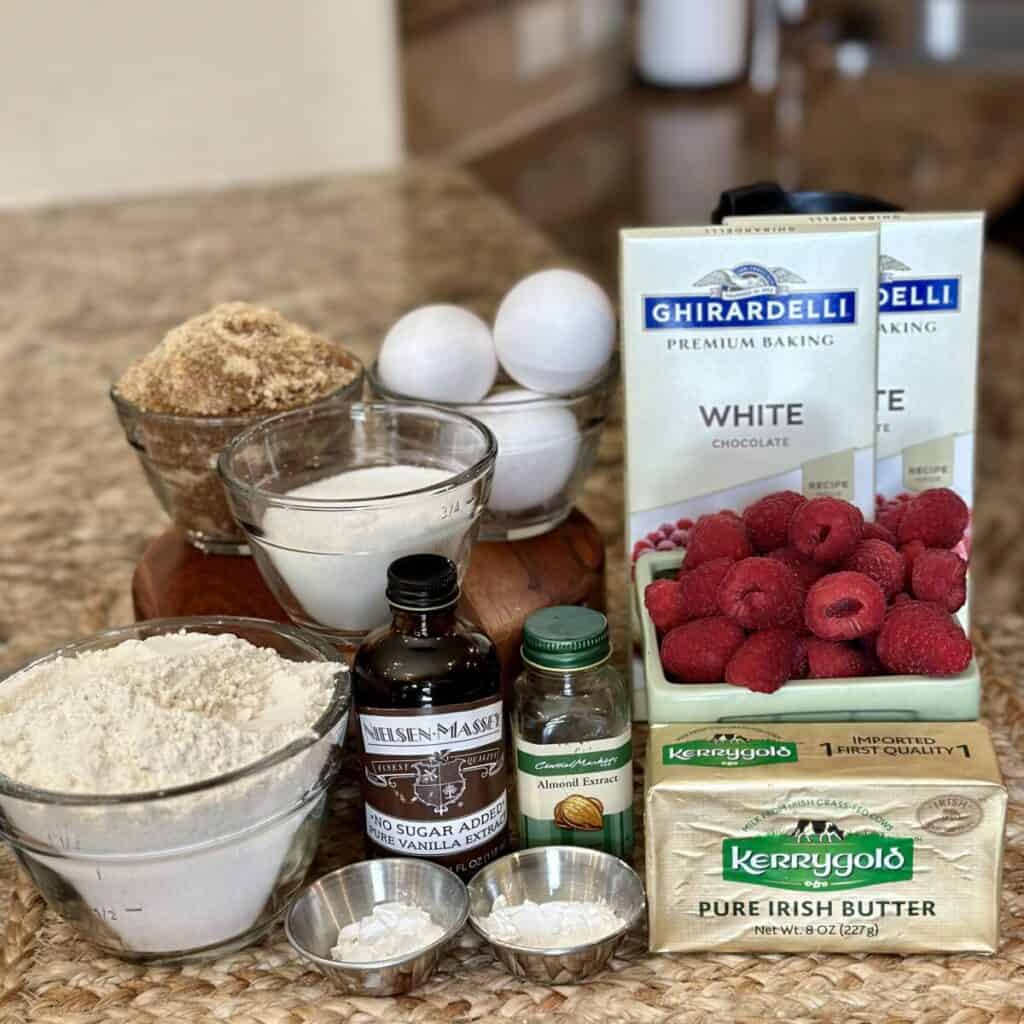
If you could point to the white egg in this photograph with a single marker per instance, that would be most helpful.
(537, 450)
(439, 353)
(555, 331)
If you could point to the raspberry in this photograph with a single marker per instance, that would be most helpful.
(938, 517)
(826, 529)
(764, 661)
(662, 601)
(890, 517)
(836, 659)
(768, 519)
(910, 552)
(876, 531)
(809, 572)
(923, 639)
(761, 592)
(721, 535)
(882, 562)
(640, 547)
(698, 589)
(684, 524)
(940, 576)
(844, 605)
(901, 599)
(800, 664)
(698, 651)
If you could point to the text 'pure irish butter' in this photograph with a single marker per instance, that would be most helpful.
(873, 837)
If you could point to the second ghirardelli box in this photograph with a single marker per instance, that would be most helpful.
(750, 367)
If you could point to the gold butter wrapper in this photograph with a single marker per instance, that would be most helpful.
(838, 838)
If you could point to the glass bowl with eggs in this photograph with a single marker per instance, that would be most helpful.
(542, 380)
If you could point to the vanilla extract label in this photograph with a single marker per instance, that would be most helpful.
(434, 782)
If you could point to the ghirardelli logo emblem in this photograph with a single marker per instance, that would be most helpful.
(749, 279)
(438, 781)
(899, 293)
(749, 295)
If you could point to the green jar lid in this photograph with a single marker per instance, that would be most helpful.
(565, 637)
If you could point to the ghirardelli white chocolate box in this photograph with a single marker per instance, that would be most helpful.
(929, 305)
(750, 367)
(868, 837)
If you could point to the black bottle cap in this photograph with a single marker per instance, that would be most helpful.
(422, 582)
(768, 197)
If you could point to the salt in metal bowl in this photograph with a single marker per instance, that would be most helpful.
(570, 873)
(319, 912)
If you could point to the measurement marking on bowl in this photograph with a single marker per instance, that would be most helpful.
(133, 910)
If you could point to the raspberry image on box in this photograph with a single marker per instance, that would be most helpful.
(846, 605)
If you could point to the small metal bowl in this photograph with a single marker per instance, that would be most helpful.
(570, 873)
(321, 910)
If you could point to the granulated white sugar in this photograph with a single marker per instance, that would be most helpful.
(156, 713)
(392, 929)
(335, 564)
(553, 924)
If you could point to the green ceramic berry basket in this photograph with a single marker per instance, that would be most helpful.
(858, 699)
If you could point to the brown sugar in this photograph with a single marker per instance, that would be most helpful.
(236, 360)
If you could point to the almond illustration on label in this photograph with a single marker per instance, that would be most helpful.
(583, 813)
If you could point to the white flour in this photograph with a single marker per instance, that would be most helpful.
(181, 872)
(335, 562)
(393, 929)
(155, 713)
(554, 924)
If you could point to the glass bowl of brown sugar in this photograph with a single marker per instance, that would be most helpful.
(208, 380)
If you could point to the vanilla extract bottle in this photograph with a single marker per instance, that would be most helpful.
(427, 689)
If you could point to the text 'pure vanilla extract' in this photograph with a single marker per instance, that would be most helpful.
(427, 689)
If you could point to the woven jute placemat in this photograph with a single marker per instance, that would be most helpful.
(51, 975)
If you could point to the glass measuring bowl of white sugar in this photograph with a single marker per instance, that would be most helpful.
(190, 871)
(329, 497)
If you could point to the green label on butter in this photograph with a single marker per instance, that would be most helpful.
(737, 753)
(818, 856)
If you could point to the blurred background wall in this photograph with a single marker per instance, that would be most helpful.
(117, 97)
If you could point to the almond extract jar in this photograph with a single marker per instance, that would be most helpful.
(572, 735)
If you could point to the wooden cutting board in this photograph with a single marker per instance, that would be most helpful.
(504, 584)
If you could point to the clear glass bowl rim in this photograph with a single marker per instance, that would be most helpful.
(238, 420)
(604, 383)
(333, 714)
(276, 500)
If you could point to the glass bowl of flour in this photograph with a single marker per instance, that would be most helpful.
(165, 784)
(329, 497)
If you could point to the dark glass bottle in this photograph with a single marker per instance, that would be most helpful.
(428, 692)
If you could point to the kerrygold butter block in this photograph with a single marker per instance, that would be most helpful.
(865, 837)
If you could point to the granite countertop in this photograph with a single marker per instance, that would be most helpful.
(90, 287)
